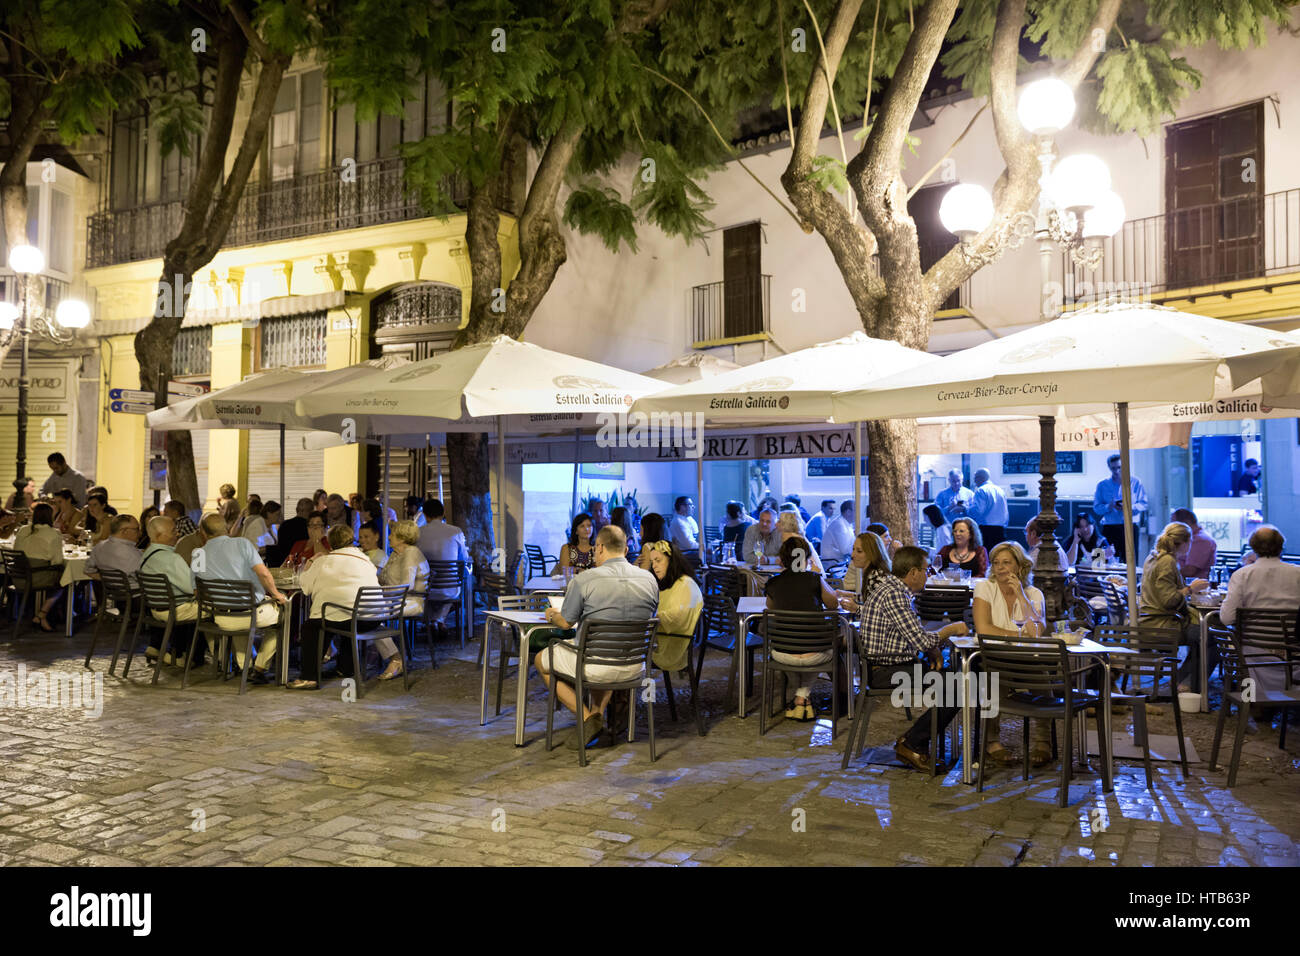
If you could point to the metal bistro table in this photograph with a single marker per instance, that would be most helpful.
(968, 648)
(749, 608)
(523, 623)
(74, 573)
(1206, 602)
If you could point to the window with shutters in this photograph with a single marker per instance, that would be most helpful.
(294, 341)
(1214, 201)
(192, 352)
(739, 305)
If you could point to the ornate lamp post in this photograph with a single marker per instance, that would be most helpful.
(27, 262)
(1076, 211)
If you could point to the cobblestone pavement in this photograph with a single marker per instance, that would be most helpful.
(204, 777)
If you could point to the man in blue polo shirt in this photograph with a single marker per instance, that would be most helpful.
(235, 559)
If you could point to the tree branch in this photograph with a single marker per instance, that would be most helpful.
(246, 27)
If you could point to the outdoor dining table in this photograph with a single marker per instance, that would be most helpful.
(968, 648)
(74, 572)
(543, 584)
(523, 623)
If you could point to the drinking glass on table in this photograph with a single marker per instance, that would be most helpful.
(1019, 615)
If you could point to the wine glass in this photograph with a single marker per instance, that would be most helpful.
(1036, 611)
(1019, 615)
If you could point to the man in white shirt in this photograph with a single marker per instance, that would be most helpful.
(118, 552)
(988, 509)
(440, 541)
(837, 542)
(1269, 583)
(683, 531)
(816, 528)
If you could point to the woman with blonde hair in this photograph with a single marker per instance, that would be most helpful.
(407, 566)
(1164, 599)
(1002, 599)
(791, 526)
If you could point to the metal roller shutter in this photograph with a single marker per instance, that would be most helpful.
(304, 470)
(39, 427)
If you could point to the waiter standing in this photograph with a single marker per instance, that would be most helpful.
(1108, 506)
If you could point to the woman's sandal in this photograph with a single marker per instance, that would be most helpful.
(303, 685)
(42, 621)
(390, 673)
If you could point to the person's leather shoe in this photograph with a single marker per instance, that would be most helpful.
(918, 759)
(259, 677)
(588, 734)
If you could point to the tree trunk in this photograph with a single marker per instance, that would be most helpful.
(471, 499)
(891, 461)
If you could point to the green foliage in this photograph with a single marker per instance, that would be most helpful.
(1232, 24)
(599, 210)
(829, 174)
(1139, 84)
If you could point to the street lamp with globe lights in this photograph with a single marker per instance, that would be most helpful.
(1076, 208)
(27, 262)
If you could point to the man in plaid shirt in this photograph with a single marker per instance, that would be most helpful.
(892, 637)
(176, 511)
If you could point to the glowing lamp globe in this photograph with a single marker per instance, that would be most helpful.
(1078, 182)
(1046, 106)
(72, 314)
(966, 210)
(26, 260)
(1105, 218)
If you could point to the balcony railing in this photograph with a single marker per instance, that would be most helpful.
(287, 209)
(731, 310)
(1250, 238)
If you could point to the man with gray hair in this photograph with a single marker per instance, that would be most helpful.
(762, 536)
(117, 552)
(235, 559)
(161, 558)
(955, 500)
(1268, 583)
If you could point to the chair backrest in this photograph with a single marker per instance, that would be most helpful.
(518, 570)
(722, 579)
(225, 597)
(15, 563)
(491, 583)
(801, 632)
(1153, 648)
(938, 603)
(157, 592)
(1269, 630)
(718, 616)
(1228, 646)
(1088, 583)
(1037, 664)
(523, 602)
(536, 560)
(1116, 604)
(380, 603)
(837, 570)
(616, 643)
(712, 536)
(117, 586)
(445, 575)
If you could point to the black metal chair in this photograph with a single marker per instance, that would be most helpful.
(509, 647)
(537, 561)
(717, 632)
(722, 579)
(1037, 681)
(857, 741)
(120, 604)
(158, 595)
(800, 632)
(22, 583)
(1154, 656)
(231, 599)
(380, 607)
(1116, 603)
(937, 603)
(1088, 588)
(444, 576)
(1262, 640)
(693, 676)
(611, 644)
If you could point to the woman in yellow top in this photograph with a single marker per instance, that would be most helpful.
(680, 604)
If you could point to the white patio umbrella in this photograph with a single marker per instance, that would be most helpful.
(797, 386)
(1083, 364)
(266, 401)
(486, 382)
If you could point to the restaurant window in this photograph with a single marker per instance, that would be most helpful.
(1214, 222)
(296, 341)
(932, 238)
(192, 352)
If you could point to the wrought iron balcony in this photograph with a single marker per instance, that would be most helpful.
(287, 209)
(1254, 237)
(731, 310)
